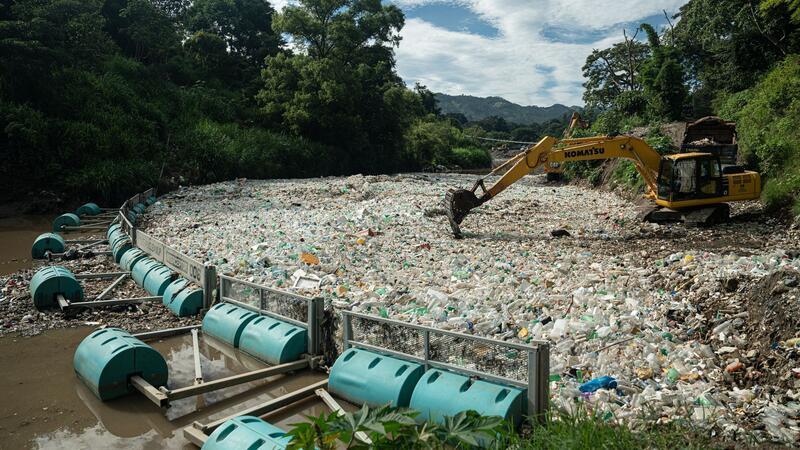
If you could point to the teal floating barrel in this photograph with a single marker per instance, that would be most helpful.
(139, 208)
(47, 242)
(182, 299)
(157, 280)
(173, 289)
(131, 258)
(49, 282)
(142, 268)
(111, 229)
(441, 393)
(88, 209)
(226, 322)
(66, 220)
(132, 217)
(120, 247)
(360, 376)
(150, 200)
(116, 235)
(273, 341)
(106, 359)
(247, 432)
(188, 302)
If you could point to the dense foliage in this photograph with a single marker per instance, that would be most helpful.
(99, 99)
(734, 58)
(390, 428)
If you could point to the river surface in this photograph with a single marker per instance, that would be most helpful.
(44, 405)
(17, 234)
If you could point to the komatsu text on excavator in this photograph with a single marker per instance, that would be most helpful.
(689, 187)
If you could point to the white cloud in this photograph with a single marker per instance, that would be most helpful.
(520, 64)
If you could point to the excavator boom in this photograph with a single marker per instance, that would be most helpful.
(459, 202)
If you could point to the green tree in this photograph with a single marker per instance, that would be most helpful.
(613, 71)
(244, 25)
(342, 89)
(662, 78)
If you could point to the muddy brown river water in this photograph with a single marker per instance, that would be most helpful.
(16, 236)
(44, 405)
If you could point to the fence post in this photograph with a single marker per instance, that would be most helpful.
(209, 285)
(315, 312)
(539, 382)
(427, 343)
(347, 332)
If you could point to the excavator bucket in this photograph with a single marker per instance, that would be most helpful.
(458, 203)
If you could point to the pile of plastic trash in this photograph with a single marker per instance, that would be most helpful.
(646, 322)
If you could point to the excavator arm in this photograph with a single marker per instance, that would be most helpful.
(459, 202)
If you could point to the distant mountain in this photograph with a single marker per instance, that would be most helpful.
(477, 108)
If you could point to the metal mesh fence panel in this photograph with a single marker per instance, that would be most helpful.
(391, 336)
(285, 303)
(478, 355)
(496, 358)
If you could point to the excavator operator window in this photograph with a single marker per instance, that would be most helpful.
(684, 175)
(709, 178)
(665, 179)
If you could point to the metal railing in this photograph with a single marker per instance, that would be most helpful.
(305, 312)
(522, 365)
(204, 275)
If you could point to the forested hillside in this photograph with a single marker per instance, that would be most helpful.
(734, 58)
(477, 108)
(99, 99)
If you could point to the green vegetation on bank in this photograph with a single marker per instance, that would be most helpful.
(734, 58)
(388, 427)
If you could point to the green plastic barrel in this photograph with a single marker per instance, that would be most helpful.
(157, 280)
(131, 258)
(112, 228)
(150, 200)
(142, 268)
(273, 341)
(47, 242)
(247, 432)
(139, 208)
(120, 247)
(440, 393)
(364, 377)
(182, 298)
(132, 217)
(88, 209)
(173, 289)
(107, 359)
(188, 302)
(226, 322)
(51, 281)
(66, 220)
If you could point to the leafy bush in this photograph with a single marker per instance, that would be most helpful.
(388, 427)
(437, 142)
(471, 157)
(768, 126)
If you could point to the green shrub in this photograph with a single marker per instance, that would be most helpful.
(471, 157)
(768, 126)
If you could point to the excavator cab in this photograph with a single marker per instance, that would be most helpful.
(690, 176)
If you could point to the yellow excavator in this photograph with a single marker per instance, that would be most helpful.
(688, 187)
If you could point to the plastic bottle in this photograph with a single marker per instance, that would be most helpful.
(605, 382)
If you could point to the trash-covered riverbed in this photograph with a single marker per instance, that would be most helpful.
(691, 323)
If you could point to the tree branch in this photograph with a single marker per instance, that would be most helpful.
(761, 30)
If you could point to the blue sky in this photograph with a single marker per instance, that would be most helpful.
(527, 51)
